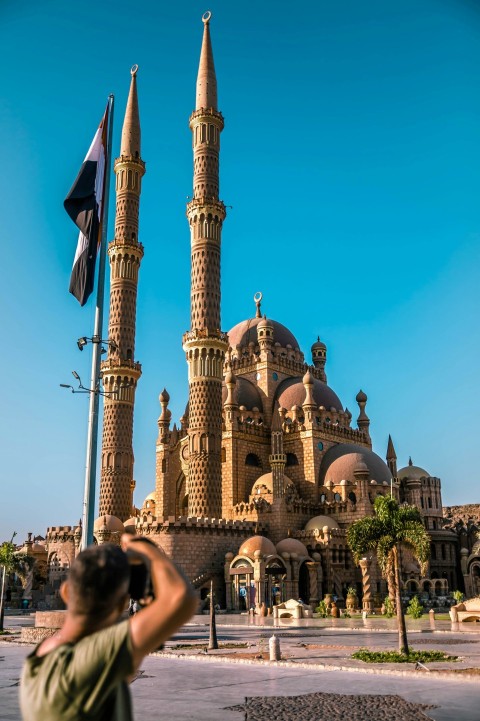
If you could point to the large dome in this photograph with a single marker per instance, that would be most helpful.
(246, 332)
(291, 392)
(340, 461)
(245, 394)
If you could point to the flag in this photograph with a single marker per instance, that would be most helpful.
(85, 204)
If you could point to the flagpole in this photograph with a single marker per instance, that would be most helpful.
(88, 515)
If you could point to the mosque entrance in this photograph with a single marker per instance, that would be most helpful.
(243, 586)
(275, 585)
(304, 583)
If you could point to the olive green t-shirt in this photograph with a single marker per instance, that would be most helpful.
(81, 681)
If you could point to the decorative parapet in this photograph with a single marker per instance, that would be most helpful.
(204, 334)
(61, 533)
(119, 365)
(208, 115)
(186, 524)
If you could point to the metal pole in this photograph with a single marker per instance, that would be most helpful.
(88, 515)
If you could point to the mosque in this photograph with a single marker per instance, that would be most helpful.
(266, 470)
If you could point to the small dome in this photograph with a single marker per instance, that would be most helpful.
(164, 396)
(361, 467)
(230, 377)
(263, 486)
(150, 497)
(320, 345)
(361, 397)
(264, 323)
(292, 392)
(319, 522)
(257, 543)
(246, 332)
(130, 525)
(307, 378)
(112, 523)
(413, 473)
(292, 545)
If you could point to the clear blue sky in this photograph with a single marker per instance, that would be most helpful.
(351, 157)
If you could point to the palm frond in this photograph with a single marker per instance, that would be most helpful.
(362, 536)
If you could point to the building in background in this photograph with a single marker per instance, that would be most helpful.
(258, 484)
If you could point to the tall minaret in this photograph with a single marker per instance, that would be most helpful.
(205, 345)
(120, 372)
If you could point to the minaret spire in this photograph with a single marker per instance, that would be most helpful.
(205, 345)
(120, 372)
(130, 142)
(206, 78)
(391, 457)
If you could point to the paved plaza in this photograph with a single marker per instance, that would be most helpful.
(202, 686)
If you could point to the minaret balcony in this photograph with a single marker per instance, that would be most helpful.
(206, 204)
(209, 115)
(118, 365)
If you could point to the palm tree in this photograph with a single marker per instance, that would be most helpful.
(390, 527)
(11, 562)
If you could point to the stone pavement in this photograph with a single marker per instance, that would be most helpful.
(332, 707)
(183, 689)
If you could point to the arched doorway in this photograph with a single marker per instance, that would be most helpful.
(304, 583)
(275, 583)
(242, 585)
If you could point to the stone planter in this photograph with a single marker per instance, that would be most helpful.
(351, 602)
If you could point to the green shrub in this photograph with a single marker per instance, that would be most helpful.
(364, 654)
(389, 607)
(351, 591)
(458, 596)
(415, 608)
(322, 609)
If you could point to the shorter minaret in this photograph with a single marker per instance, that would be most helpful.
(120, 372)
(277, 458)
(391, 457)
(363, 421)
(319, 357)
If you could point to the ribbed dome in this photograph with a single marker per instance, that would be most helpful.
(292, 393)
(245, 394)
(257, 543)
(246, 332)
(112, 523)
(292, 545)
(340, 462)
(319, 522)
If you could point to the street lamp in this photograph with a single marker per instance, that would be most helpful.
(96, 391)
(84, 340)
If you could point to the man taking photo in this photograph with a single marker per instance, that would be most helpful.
(82, 671)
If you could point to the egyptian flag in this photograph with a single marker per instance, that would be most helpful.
(84, 204)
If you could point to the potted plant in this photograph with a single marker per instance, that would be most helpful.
(351, 598)
(328, 598)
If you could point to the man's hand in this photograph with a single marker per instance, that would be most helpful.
(173, 604)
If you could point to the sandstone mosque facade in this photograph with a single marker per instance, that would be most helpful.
(258, 484)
